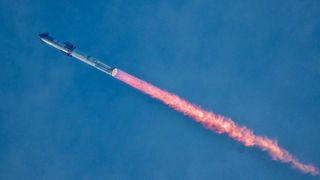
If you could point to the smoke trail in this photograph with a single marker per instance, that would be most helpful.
(217, 123)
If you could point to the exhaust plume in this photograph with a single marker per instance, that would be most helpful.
(217, 123)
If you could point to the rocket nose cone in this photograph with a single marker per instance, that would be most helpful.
(42, 35)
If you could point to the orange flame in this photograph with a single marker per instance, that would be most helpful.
(217, 123)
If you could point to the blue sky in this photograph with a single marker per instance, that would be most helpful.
(257, 62)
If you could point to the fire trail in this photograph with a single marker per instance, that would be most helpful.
(212, 121)
(216, 122)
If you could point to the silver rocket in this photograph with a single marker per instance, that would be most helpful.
(69, 50)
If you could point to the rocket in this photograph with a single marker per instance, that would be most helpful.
(70, 50)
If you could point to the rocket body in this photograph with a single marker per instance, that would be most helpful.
(70, 50)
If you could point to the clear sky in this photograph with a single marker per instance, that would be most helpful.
(257, 62)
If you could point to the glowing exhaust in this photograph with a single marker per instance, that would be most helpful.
(215, 122)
